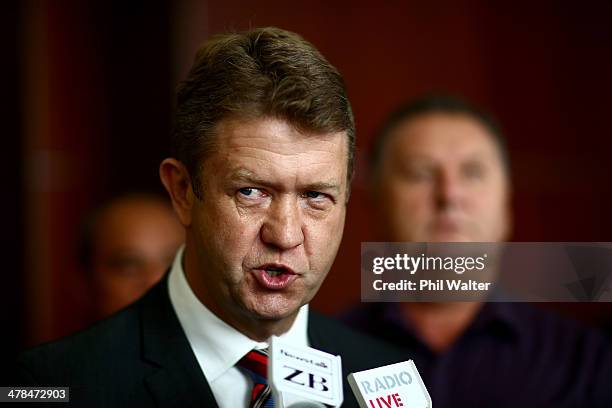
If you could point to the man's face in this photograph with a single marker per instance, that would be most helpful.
(270, 221)
(135, 241)
(442, 180)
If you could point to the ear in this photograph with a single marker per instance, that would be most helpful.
(177, 181)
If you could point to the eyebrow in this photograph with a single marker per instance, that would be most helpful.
(248, 176)
(324, 187)
(243, 174)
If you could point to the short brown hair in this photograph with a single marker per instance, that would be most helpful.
(260, 72)
(436, 103)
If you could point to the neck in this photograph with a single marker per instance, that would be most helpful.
(439, 325)
(261, 330)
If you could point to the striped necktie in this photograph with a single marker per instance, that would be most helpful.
(255, 364)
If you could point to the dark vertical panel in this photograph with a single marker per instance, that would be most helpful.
(138, 69)
(120, 51)
(73, 136)
(548, 66)
(11, 289)
(98, 116)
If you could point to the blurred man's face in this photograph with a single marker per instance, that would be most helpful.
(134, 243)
(270, 221)
(442, 180)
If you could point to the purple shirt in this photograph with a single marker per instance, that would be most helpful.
(512, 355)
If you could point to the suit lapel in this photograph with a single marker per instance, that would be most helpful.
(178, 380)
(323, 336)
(320, 336)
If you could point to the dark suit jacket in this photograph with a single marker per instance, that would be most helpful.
(140, 357)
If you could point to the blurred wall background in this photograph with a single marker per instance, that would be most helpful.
(90, 108)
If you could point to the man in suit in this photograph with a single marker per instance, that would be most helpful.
(263, 158)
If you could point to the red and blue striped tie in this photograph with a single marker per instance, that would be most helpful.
(255, 363)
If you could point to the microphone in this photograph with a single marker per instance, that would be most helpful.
(391, 386)
(303, 377)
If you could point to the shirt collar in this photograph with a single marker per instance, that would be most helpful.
(217, 345)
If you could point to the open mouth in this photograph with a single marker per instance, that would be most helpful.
(274, 271)
(274, 276)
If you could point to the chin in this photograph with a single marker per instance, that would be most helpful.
(275, 309)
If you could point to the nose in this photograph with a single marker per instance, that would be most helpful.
(448, 191)
(282, 227)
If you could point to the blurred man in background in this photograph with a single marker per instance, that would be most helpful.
(126, 247)
(441, 174)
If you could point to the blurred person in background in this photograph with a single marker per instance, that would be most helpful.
(126, 246)
(440, 173)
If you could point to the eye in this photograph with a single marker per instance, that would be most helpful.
(313, 194)
(318, 200)
(474, 171)
(246, 191)
(251, 194)
(416, 174)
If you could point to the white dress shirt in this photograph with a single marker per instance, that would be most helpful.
(218, 346)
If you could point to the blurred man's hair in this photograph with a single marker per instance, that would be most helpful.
(436, 103)
(252, 74)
